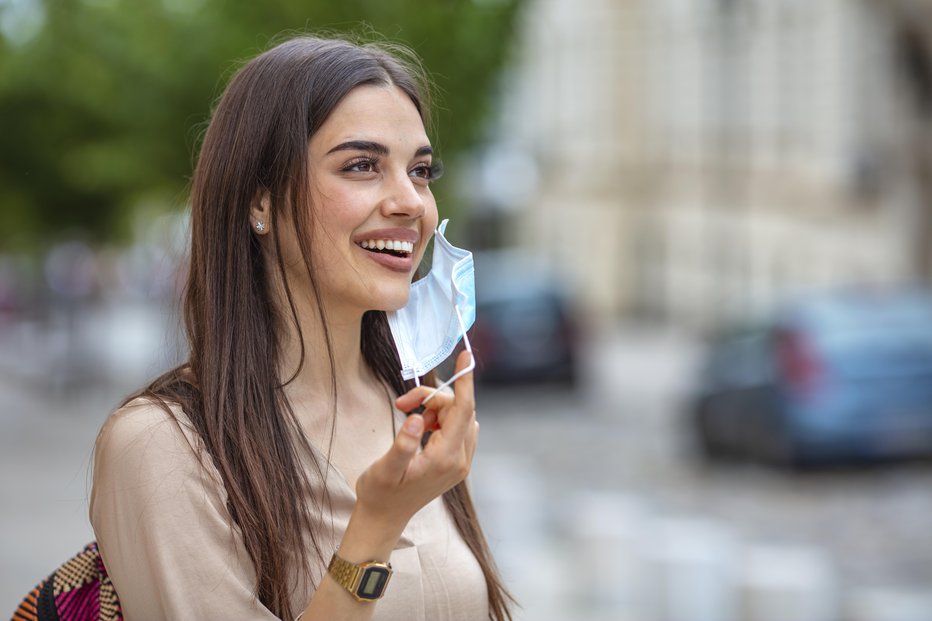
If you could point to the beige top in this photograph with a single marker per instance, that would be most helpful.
(161, 522)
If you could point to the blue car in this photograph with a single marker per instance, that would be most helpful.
(835, 377)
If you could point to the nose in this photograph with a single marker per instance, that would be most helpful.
(402, 198)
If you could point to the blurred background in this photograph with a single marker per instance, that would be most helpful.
(703, 235)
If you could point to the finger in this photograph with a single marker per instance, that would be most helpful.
(395, 462)
(456, 420)
(431, 422)
(413, 398)
(471, 440)
(463, 389)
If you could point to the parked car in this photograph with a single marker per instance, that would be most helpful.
(839, 376)
(526, 328)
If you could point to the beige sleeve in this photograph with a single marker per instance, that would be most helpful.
(161, 522)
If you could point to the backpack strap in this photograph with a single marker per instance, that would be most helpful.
(79, 590)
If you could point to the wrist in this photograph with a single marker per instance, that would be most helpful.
(369, 537)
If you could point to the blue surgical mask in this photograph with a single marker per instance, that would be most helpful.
(440, 309)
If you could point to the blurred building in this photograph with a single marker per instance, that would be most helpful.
(700, 160)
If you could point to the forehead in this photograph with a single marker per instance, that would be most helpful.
(383, 114)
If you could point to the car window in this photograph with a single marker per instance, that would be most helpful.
(743, 361)
(883, 337)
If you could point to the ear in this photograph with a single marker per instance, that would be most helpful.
(260, 214)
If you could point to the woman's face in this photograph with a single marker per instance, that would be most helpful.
(372, 209)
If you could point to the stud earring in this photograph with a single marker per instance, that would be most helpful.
(260, 226)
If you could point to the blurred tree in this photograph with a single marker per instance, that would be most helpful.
(103, 101)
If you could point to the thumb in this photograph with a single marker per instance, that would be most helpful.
(404, 448)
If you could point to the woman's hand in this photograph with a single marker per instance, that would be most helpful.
(405, 479)
(402, 481)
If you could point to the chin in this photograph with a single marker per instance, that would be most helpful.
(393, 306)
(391, 301)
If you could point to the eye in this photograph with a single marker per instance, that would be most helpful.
(427, 172)
(365, 164)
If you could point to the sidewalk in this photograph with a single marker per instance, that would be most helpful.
(45, 453)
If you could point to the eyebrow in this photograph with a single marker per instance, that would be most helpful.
(374, 147)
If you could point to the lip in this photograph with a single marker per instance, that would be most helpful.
(398, 234)
(402, 265)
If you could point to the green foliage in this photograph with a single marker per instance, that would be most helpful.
(102, 108)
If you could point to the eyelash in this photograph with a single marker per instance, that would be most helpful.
(433, 170)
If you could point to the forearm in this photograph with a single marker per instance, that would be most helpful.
(366, 539)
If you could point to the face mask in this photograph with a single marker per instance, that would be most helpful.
(440, 309)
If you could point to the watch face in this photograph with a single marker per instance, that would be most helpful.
(373, 582)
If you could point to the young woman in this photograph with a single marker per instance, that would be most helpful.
(275, 474)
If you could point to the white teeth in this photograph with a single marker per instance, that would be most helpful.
(390, 244)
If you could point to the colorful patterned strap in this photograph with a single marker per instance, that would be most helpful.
(79, 590)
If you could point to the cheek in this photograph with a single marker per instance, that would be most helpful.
(334, 216)
(429, 223)
(340, 215)
(431, 216)
(288, 243)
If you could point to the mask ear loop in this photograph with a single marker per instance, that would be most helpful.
(469, 368)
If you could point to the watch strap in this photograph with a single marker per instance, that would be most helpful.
(348, 575)
(344, 572)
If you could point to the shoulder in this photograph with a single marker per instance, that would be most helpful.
(149, 440)
(143, 422)
(146, 453)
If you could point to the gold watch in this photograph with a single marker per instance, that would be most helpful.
(365, 581)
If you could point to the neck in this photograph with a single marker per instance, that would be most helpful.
(314, 379)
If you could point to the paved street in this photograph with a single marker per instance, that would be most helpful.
(584, 494)
(617, 453)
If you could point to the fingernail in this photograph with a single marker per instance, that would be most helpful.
(414, 425)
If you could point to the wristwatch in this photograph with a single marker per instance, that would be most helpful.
(365, 581)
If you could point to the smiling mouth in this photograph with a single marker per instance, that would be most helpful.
(395, 248)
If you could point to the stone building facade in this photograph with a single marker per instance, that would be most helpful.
(703, 160)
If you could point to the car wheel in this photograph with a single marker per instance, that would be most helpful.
(782, 448)
(711, 446)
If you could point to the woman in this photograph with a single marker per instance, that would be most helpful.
(275, 474)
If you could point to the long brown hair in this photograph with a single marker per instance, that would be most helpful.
(229, 388)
